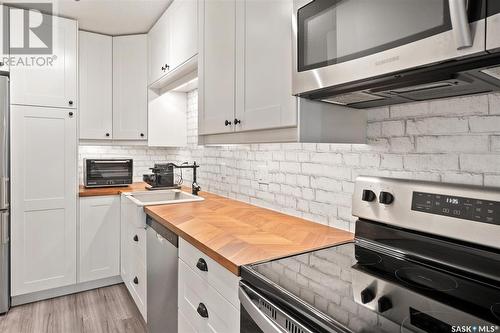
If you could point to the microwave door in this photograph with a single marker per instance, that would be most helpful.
(493, 26)
(337, 42)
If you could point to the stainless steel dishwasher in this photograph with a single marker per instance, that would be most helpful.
(162, 256)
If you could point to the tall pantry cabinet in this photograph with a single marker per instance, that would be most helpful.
(44, 165)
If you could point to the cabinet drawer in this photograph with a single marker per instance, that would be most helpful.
(137, 239)
(137, 284)
(216, 275)
(194, 292)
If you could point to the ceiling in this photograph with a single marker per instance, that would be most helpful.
(111, 17)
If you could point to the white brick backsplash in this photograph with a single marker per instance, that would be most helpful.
(393, 128)
(480, 163)
(452, 143)
(437, 125)
(485, 124)
(451, 140)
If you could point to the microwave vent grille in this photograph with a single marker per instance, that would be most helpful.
(351, 98)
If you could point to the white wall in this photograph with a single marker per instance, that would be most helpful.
(452, 140)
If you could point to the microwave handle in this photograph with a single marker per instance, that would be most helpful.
(114, 161)
(460, 23)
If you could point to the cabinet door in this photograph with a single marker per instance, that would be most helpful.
(126, 213)
(130, 84)
(96, 86)
(158, 49)
(44, 187)
(263, 65)
(52, 80)
(182, 18)
(216, 66)
(4, 44)
(99, 234)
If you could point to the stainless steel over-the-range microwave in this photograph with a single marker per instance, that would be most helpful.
(371, 52)
(107, 172)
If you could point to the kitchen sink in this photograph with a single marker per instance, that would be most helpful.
(161, 197)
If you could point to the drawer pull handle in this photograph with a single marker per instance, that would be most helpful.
(202, 265)
(136, 280)
(136, 238)
(202, 310)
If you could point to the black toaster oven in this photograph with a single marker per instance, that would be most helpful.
(107, 172)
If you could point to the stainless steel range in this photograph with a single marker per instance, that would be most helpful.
(426, 258)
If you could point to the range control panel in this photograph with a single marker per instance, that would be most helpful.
(458, 207)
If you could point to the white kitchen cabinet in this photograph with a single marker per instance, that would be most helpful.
(263, 65)
(130, 81)
(133, 252)
(173, 40)
(44, 190)
(4, 48)
(216, 63)
(99, 238)
(54, 82)
(96, 86)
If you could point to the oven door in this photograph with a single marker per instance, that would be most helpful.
(259, 315)
(341, 41)
(108, 172)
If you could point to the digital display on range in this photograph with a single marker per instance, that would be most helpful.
(459, 207)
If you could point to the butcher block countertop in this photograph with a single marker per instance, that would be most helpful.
(234, 233)
(103, 191)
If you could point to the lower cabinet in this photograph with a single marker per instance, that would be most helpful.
(133, 252)
(206, 298)
(99, 235)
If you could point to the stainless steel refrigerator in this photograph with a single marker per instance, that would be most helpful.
(4, 194)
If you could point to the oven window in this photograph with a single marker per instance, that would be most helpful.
(109, 170)
(335, 31)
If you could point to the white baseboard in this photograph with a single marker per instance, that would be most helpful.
(66, 290)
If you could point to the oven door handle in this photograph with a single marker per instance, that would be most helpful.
(460, 23)
(264, 323)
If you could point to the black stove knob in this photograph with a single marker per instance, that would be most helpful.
(367, 296)
(368, 195)
(384, 304)
(385, 198)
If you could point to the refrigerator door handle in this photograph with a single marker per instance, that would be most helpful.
(4, 227)
(4, 193)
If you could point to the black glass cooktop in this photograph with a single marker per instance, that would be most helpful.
(366, 288)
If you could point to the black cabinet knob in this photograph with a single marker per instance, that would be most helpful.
(384, 304)
(70, 102)
(136, 238)
(202, 265)
(237, 121)
(202, 310)
(163, 68)
(70, 114)
(227, 123)
(368, 195)
(167, 67)
(136, 280)
(142, 135)
(367, 296)
(385, 198)
(107, 134)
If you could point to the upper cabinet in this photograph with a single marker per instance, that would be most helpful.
(130, 84)
(245, 66)
(52, 79)
(173, 40)
(96, 86)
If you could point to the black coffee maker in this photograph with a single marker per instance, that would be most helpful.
(162, 177)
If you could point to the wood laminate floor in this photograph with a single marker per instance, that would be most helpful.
(109, 309)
